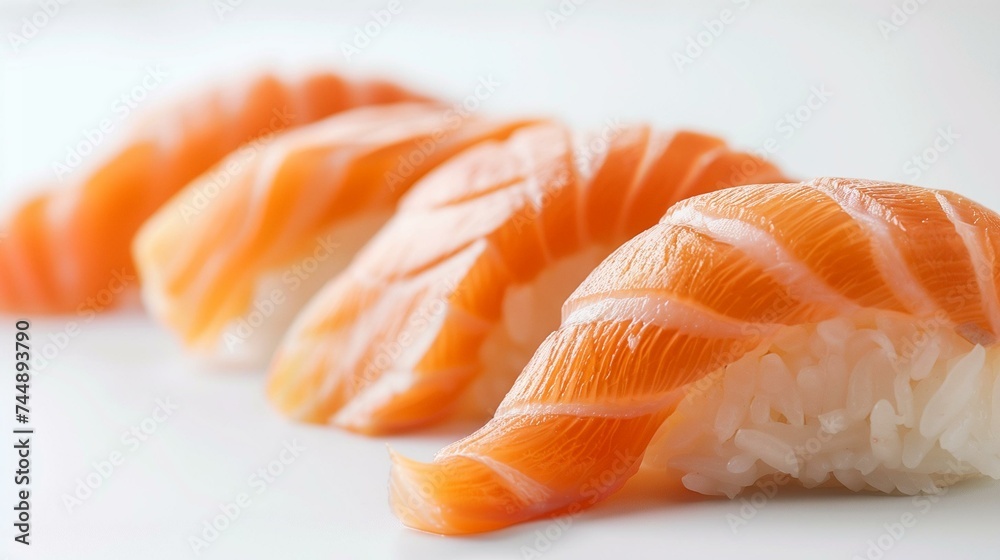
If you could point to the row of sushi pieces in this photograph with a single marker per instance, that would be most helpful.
(605, 296)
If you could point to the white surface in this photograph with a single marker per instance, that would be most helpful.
(889, 98)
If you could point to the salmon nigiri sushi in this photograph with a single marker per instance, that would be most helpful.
(68, 244)
(227, 264)
(831, 333)
(445, 306)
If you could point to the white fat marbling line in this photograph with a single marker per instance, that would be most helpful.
(888, 258)
(762, 247)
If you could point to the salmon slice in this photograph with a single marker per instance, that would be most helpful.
(226, 264)
(712, 306)
(445, 306)
(69, 245)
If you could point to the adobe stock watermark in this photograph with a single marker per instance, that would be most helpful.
(451, 120)
(258, 483)
(594, 147)
(422, 497)
(900, 16)
(914, 347)
(793, 121)
(590, 492)
(768, 487)
(562, 12)
(369, 31)
(753, 334)
(786, 127)
(944, 141)
(121, 109)
(120, 280)
(131, 440)
(218, 179)
(430, 309)
(32, 25)
(223, 8)
(698, 43)
(292, 278)
(895, 530)
(597, 145)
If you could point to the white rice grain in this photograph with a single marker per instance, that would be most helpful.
(887, 446)
(772, 451)
(954, 393)
(871, 402)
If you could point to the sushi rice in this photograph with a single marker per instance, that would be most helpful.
(873, 402)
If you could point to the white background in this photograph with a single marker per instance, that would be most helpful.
(890, 97)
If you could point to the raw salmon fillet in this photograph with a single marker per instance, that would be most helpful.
(69, 244)
(446, 305)
(692, 301)
(227, 267)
